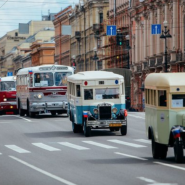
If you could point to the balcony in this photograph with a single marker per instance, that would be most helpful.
(138, 69)
(97, 29)
(159, 61)
(152, 63)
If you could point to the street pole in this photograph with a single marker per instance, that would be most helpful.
(166, 62)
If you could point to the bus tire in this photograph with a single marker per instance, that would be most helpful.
(112, 129)
(123, 129)
(29, 113)
(75, 127)
(155, 149)
(178, 151)
(86, 129)
(53, 113)
(163, 151)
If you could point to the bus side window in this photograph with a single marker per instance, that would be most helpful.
(162, 98)
(78, 94)
(88, 94)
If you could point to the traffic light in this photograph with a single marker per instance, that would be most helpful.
(119, 39)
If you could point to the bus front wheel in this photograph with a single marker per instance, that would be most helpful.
(178, 151)
(86, 129)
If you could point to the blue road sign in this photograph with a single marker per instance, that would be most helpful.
(111, 30)
(9, 73)
(155, 29)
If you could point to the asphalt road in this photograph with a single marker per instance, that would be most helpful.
(45, 151)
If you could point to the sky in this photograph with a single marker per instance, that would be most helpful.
(13, 12)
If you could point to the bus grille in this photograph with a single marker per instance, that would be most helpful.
(11, 99)
(105, 112)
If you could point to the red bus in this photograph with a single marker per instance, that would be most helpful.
(8, 103)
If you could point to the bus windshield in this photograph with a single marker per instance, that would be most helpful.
(107, 93)
(43, 79)
(61, 78)
(7, 86)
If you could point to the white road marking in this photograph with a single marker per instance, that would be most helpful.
(172, 166)
(143, 141)
(131, 156)
(99, 144)
(126, 143)
(146, 179)
(154, 182)
(43, 172)
(17, 149)
(24, 118)
(136, 116)
(73, 146)
(46, 147)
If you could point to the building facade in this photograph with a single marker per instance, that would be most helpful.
(87, 25)
(148, 50)
(62, 41)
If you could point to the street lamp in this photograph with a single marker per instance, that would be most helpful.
(128, 48)
(165, 35)
(95, 58)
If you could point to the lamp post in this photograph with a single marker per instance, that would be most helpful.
(165, 34)
(128, 48)
(95, 58)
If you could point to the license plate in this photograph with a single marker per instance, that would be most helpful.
(115, 125)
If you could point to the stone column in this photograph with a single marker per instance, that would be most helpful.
(175, 25)
(137, 45)
(151, 36)
(145, 33)
(159, 41)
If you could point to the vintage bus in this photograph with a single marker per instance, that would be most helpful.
(165, 113)
(97, 101)
(42, 88)
(8, 103)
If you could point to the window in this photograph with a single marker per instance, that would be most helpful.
(101, 18)
(16, 34)
(178, 100)
(162, 98)
(88, 94)
(146, 95)
(43, 79)
(107, 93)
(78, 94)
(61, 78)
(8, 86)
(154, 97)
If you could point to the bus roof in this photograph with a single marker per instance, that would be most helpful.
(45, 68)
(165, 79)
(8, 78)
(94, 75)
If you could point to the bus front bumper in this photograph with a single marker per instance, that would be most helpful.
(8, 106)
(106, 123)
(50, 106)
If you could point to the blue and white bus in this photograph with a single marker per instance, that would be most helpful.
(97, 101)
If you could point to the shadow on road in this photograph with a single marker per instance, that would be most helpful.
(69, 134)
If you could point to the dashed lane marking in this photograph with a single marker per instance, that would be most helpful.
(45, 147)
(17, 149)
(131, 156)
(136, 116)
(70, 145)
(126, 143)
(43, 172)
(99, 144)
(143, 141)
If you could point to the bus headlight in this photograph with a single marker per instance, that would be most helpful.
(39, 96)
(114, 110)
(4, 99)
(95, 111)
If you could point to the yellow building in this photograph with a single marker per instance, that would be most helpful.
(87, 25)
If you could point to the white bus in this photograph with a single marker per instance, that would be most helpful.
(42, 89)
(97, 101)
